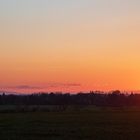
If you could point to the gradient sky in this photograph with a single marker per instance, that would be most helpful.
(69, 45)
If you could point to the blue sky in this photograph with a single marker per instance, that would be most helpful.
(93, 7)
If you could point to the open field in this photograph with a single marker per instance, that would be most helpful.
(92, 124)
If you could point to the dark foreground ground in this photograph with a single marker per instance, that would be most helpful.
(92, 124)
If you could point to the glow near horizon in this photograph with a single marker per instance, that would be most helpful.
(94, 43)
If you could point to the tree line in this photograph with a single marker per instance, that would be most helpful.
(113, 99)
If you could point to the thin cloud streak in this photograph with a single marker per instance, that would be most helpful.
(54, 85)
(47, 86)
(25, 87)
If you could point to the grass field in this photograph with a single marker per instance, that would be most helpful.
(96, 124)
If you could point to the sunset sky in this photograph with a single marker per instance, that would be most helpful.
(69, 45)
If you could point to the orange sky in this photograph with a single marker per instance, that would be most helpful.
(68, 46)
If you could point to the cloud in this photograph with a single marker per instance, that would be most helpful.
(25, 87)
(64, 85)
(72, 85)
(49, 85)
